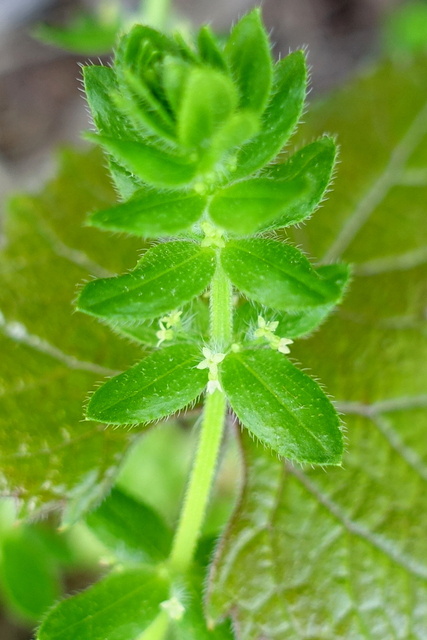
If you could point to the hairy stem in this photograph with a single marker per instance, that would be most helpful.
(205, 464)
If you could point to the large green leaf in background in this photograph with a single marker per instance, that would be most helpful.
(343, 554)
(50, 357)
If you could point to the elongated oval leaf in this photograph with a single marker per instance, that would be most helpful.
(152, 214)
(131, 529)
(208, 99)
(161, 384)
(100, 85)
(246, 206)
(282, 406)
(119, 607)
(280, 117)
(248, 54)
(167, 276)
(277, 275)
(29, 574)
(294, 324)
(313, 163)
(210, 49)
(150, 164)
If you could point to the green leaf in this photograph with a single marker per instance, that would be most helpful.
(50, 357)
(343, 554)
(294, 324)
(100, 86)
(247, 205)
(248, 54)
(280, 117)
(314, 164)
(210, 49)
(278, 275)
(152, 214)
(163, 383)
(168, 275)
(29, 575)
(118, 607)
(86, 34)
(149, 163)
(209, 98)
(131, 529)
(281, 406)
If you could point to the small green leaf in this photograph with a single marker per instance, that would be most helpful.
(149, 163)
(118, 607)
(100, 85)
(144, 108)
(248, 53)
(293, 324)
(209, 48)
(175, 75)
(278, 275)
(280, 117)
(29, 574)
(86, 34)
(131, 529)
(208, 99)
(165, 382)
(313, 163)
(246, 206)
(168, 275)
(152, 214)
(282, 406)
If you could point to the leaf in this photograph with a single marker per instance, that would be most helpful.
(150, 164)
(51, 356)
(86, 34)
(209, 98)
(281, 406)
(247, 205)
(343, 554)
(313, 164)
(168, 275)
(118, 607)
(163, 383)
(292, 324)
(248, 54)
(278, 275)
(29, 575)
(210, 49)
(152, 214)
(130, 528)
(100, 86)
(280, 117)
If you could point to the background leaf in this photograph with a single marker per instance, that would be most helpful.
(343, 554)
(50, 356)
(119, 607)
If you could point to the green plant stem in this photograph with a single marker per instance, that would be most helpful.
(156, 12)
(157, 629)
(205, 464)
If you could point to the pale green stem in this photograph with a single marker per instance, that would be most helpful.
(205, 464)
(157, 629)
(156, 12)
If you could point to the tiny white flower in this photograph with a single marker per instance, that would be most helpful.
(174, 608)
(265, 329)
(164, 334)
(283, 345)
(213, 236)
(172, 319)
(213, 385)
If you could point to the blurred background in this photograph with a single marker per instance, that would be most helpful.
(41, 106)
